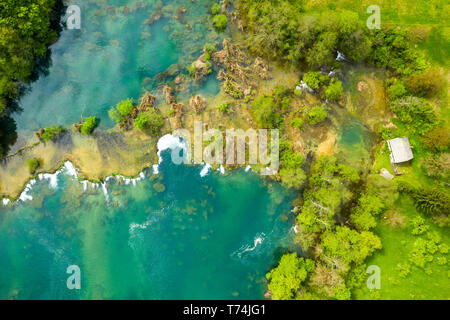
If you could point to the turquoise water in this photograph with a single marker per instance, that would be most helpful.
(211, 237)
(116, 56)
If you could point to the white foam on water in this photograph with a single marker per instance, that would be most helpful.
(53, 178)
(221, 169)
(6, 201)
(340, 56)
(105, 191)
(85, 185)
(257, 241)
(248, 168)
(304, 86)
(172, 142)
(205, 170)
(70, 169)
(155, 169)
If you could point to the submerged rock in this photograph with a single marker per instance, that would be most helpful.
(198, 103)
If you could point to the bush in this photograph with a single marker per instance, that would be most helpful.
(293, 177)
(122, 111)
(438, 166)
(417, 114)
(432, 201)
(220, 22)
(88, 126)
(426, 84)
(334, 90)
(215, 8)
(225, 108)
(314, 79)
(32, 164)
(437, 139)
(209, 48)
(149, 121)
(317, 114)
(51, 133)
(297, 123)
(265, 113)
(396, 90)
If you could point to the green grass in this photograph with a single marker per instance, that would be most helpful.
(397, 243)
(432, 14)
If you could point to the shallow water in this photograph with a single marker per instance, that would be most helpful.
(211, 237)
(116, 56)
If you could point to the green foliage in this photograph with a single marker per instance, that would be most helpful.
(432, 201)
(287, 277)
(437, 139)
(88, 126)
(315, 79)
(149, 121)
(122, 111)
(215, 8)
(425, 84)
(392, 50)
(396, 90)
(417, 114)
(297, 123)
(419, 226)
(32, 164)
(220, 22)
(225, 108)
(438, 166)
(51, 133)
(317, 114)
(293, 177)
(369, 207)
(349, 245)
(334, 91)
(209, 48)
(265, 113)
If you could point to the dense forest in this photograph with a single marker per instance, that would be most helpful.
(27, 28)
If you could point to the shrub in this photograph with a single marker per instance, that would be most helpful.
(426, 84)
(437, 139)
(32, 164)
(225, 108)
(396, 90)
(265, 113)
(88, 126)
(215, 8)
(334, 90)
(317, 114)
(122, 111)
(220, 22)
(432, 201)
(293, 177)
(438, 166)
(417, 114)
(314, 79)
(149, 121)
(209, 48)
(297, 123)
(51, 133)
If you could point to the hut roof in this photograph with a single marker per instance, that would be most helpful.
(400, 150)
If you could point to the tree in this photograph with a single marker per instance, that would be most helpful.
(417, 114)
(122, 111)
(350, 245)
(220, 22)
(432, 201)
(317, 114)
(437, 139)
(51, 133)
(149, 121)
(88, 126)
(32, 164)
(265, 113)
(215, 8)
(286, 278)
(334, 90)
(438, 166)
(425, 84)
(364, 215)
(293, 177)
(396, 90)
